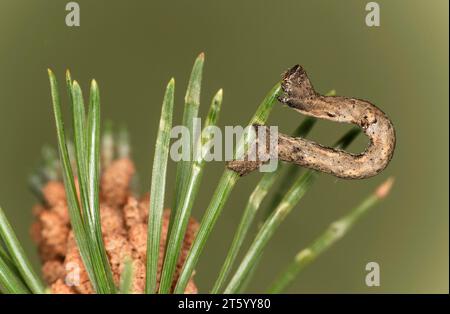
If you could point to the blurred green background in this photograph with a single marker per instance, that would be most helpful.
(133, 48)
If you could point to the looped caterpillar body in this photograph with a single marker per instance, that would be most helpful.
(299, 94)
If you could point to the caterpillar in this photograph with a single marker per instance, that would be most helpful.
(299, 94)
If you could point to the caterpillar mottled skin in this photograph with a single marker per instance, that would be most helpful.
(299, 94)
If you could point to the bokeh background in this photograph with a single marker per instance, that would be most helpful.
(133, 48)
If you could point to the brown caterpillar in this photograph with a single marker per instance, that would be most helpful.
(299, 94)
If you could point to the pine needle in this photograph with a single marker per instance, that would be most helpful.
(10, 283)
(18, 257)
(126, 277)
(182, 215)
(191, 107)
(157, 189)
(257, 197)
(288, 202)
(85, 226)
(221, 194)
(334, 233)
(252, 207)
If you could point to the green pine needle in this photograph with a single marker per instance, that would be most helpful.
(221, 194)
(182, 215)
(191, 107)
(126, 277)
(5, 257)
(10, 283)
(288, 202)
(157, 189)
(255, 200)
(335, 232)
(250, 211)
(18, 257)
(84, 218)
(69, 87)
(100, 257)
(268, 229)
(80, 137)
(252, 207)
(69, 184)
